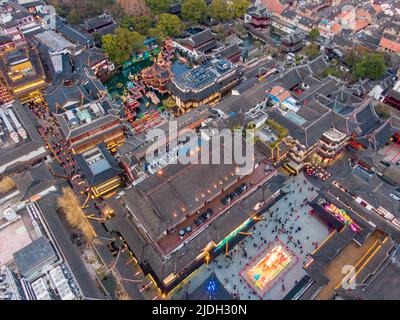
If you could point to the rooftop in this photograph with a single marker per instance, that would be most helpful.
(13, 237)
(203, 75)
(54, 41)
(11, 152)
(98, 165)
(34, 255)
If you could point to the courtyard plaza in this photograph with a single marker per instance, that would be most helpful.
(279, 245)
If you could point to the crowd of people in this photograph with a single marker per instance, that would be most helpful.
(285, 222)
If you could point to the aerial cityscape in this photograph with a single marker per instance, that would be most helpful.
(200, 150)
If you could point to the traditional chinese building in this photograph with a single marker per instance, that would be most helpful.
(158, 75)
(100, 169)
(204, 84)
(331, 143)
(292, 42)
(259, 17)
(22, 73)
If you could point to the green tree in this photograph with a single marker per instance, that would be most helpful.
(239, 8)
(382, 110)
(354, 55)
(297, 59)
(311, 51)
(169, 103)
(159, 6)
(168, 25)
(219, 10)
(333, 71)
(97, 38)
(140, 24)
(314, 33)
(128, 23)
(194, 11)
(371, 65)
(219, 31)
(120, 45)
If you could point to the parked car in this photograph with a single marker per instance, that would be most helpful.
(236, 193)
(225, 200)
(204, 216)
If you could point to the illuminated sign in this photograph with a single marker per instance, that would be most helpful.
(233, 234)
(342, 216)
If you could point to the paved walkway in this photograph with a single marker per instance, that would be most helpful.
(93, 207)
(306, 232)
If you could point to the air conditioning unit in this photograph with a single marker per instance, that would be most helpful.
(10, 214)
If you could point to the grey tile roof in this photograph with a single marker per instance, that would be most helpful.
(318, 121)
(289, 79)
(288, 13)
(34, 142)
(258, 11)
(229, 51)
(34, 180)
(98, 22)
(95, 179)
(248, 99)
(34, 255)
(383, 283)
(383, 134)
(219, 229)
(72, 34)
(200, 38)
(306, 22)
(85, 89)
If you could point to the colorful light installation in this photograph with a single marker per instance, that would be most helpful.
(265, 270)
(342, 216)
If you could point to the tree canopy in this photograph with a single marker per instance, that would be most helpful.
(120, 45)
(239, 8)
(159, 6)
(168, 25)
(354, 55)
(219, 10)
(382, 110)
(194, 11)
(312, 51)
(314, 33)
(371, 65)
(224, 10)
(140, 24)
